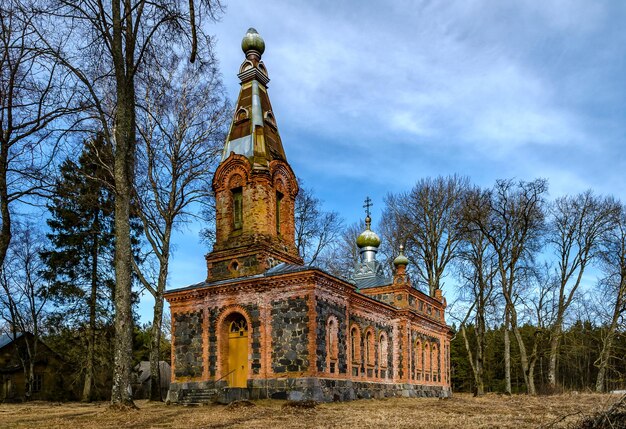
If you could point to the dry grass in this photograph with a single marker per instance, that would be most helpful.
(462, 411)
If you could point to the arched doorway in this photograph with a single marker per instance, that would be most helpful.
(237, 352)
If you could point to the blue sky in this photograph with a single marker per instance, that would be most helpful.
(371, 96)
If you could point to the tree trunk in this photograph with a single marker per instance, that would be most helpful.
(93, 298)
(157, 321)
(554, 348)
(526, 368)
(480, 347)
(30, 378)
(121, 393)
(507, 355)
(476, 366)
(155, 350)
(124, 163)
(605, 353)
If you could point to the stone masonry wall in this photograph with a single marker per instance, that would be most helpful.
(301, 389)
(324, 310)
(246, 265)
(213, 314)
(290, 335)
(188, 344)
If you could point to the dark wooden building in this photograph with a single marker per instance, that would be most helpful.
(49, 370)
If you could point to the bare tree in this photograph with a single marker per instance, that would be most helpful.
(316, 229)
(23, 297)
(106, 45)
(613, 258)
(181, 126)
(342, 255)
(511, 217)
(477, 268)
(428, 220)
(30, 103)
(539, 286)
(576, 226)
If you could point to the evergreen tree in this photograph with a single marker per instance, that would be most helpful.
(79, 264)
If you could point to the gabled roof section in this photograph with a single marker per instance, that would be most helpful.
(253, 132)
(6, 339)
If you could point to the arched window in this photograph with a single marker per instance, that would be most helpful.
(370, 354)
(383, 354)
(355, 350)
(427, 368)
(435, 362)
(332, 346)
(237, 208)
(279, 202)
(417, 363)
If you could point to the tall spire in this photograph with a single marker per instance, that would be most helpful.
(254, 133)
(255, 188)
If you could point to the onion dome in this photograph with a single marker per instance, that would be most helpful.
(401, 260)
(368, 238)
(252, 41)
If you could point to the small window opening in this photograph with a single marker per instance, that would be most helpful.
(237, 208)
(279, 201)
(37, 383)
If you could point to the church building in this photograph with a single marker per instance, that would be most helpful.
(263, 324)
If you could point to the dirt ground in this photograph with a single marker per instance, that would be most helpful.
(462, 411)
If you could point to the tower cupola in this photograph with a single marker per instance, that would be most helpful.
(369, 272)
(401, 260)
(368, 241)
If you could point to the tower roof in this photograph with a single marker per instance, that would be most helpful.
(254, 133)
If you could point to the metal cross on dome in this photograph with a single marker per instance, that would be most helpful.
(367, 205)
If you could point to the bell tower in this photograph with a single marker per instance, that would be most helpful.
(255, 188)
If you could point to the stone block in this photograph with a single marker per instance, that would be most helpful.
(295, 395)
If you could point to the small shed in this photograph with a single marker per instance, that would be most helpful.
(141, 385)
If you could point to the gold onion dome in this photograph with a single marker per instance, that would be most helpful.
(368, 238)
(252, 41)
(401, 259)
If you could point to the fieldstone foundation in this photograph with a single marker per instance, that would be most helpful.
(299, 389)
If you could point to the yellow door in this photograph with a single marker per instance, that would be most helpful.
(238, 354)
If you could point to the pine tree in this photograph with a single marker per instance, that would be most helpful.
(80, 261)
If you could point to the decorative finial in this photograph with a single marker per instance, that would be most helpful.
(252, 43)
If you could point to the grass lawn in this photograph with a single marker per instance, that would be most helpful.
(462, 411)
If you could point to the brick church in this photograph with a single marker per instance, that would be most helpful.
(262, 324)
